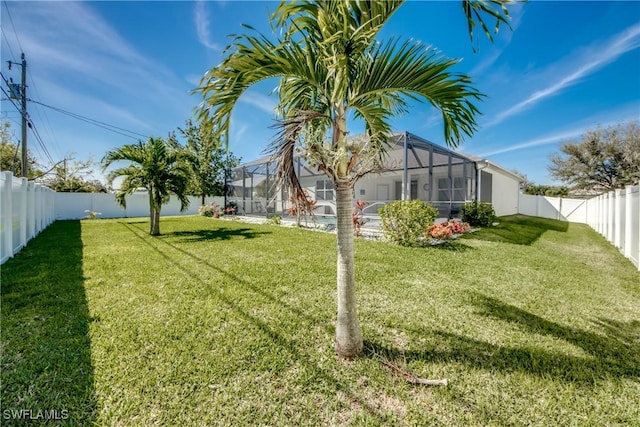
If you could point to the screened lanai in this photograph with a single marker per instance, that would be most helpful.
(414, 169)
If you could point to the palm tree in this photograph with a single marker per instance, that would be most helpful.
(155, 167)
(332, 68)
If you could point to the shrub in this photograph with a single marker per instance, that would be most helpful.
(478, 214)
(405, 222)
(274, 219)
(92, 214)
(210, 210)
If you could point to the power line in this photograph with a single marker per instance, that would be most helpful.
(13, 56)
(107, 126)
(11, 100)
(13, 26)
(43, 113)
(35, 132)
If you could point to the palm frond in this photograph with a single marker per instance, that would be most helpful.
(476, 11)
(410, 70)
(282, 151)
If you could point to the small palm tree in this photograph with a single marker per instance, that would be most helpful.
(155, 167)
(332, 68)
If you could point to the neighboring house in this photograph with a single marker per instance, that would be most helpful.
(415, 169)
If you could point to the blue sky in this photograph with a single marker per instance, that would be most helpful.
(566, 67)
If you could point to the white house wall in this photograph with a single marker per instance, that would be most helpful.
(505, 192)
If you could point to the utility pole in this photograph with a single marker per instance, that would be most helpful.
(25, 163)
(21, 92)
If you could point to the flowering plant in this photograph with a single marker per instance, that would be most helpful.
(447, 230)
(440, 232)
(458, 227)
(358, 217)
(299, 209)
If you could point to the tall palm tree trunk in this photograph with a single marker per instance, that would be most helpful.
(155, 222)
(154, 216)
(348, 339)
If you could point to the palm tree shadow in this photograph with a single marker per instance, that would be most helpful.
(613, 353)
(216, 234)
(270, 331)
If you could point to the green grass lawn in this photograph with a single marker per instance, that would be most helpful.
(533, 322)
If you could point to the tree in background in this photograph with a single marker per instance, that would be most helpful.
(11, 154)
(73, 176)
(154, 166)
(208, 159)
(331, 67)
(602, 159)
(545, 190)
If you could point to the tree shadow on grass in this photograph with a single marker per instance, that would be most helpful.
(518, 230)
(46, 347)
(451, 246)
(613, 353)
(216, 234)
(270, 332)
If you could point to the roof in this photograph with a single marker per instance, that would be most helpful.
(420, 153)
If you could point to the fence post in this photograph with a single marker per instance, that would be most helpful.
(637, 207)
(36, 208)
(7, 212)
(617, 219)
(627, 218)
(598, 213)
(610, 217)
(24, 184)
(31, 213)
(52, 206)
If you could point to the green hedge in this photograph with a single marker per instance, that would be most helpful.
(405, 221)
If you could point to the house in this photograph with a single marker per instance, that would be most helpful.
(415, 169)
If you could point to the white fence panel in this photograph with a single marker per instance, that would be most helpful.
(574, 210)
(25, 210)
(106, 205)
(78, 205)
(16, 214)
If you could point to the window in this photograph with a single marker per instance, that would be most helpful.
(458, 189)
(324, 190)
(443, 189)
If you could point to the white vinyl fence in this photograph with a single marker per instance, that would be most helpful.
(572, 210)
(80, 205)
(615, 215)
(26, 209)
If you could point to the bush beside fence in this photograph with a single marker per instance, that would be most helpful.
(26, 209)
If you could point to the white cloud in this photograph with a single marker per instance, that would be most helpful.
(586, 63)
(260, 101)
(69, 42)
(202, 21)
(623, 114)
